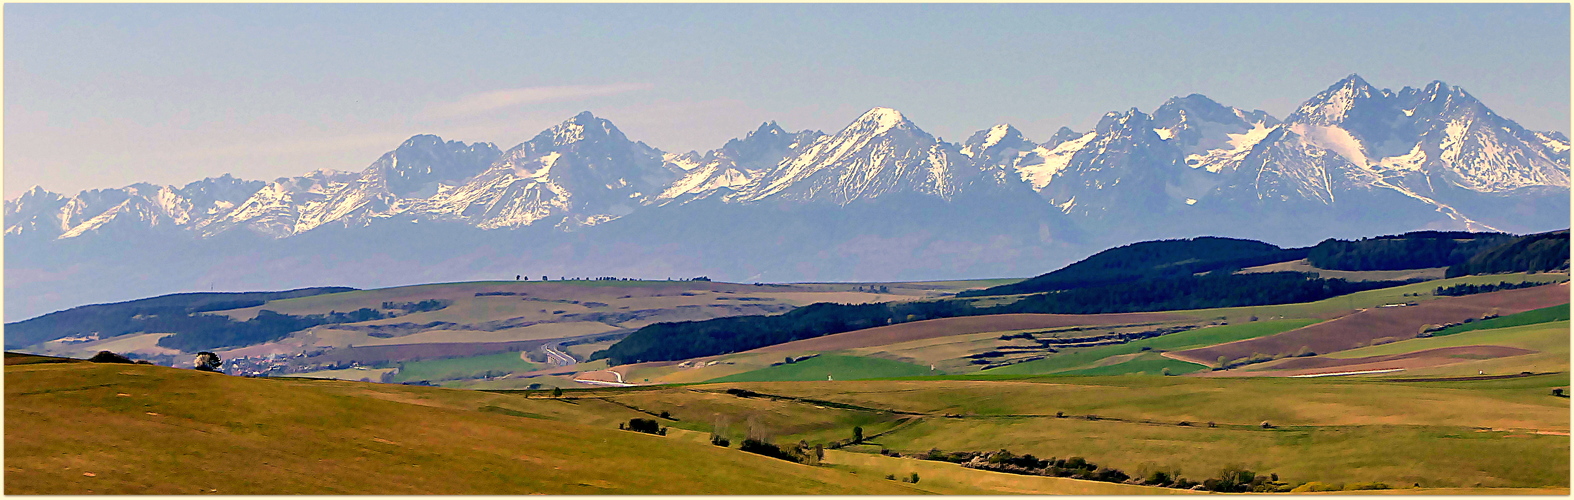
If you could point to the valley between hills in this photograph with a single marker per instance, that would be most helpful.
(1422, 363)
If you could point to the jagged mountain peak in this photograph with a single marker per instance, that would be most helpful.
(879, 120)
(1132, 122)
(581, 127)
(1061, 136)
(985, 143)
(1340, 102)
(767, 128)
(1178, 110)
(1000, 133)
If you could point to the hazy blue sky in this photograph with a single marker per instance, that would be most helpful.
(105, 95)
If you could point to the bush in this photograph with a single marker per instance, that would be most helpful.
(1159, 478)
(758, 447)
(645, 425)
(720, 441)
(109, 357)
(1316, 486)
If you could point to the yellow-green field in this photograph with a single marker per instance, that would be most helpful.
(78, 428)
(149, 429)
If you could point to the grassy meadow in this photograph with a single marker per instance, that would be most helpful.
(78, 428)
(833, 367)
(464, 368)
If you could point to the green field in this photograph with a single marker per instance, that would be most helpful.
(1544, 315)
(1148, 363)
(463, 368)
(1434, 434)
(1551, 336)
(835, 367)
(1066, 361)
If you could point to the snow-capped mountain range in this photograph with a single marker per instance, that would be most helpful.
(1353, 160)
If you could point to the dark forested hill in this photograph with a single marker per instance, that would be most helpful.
(1535, 252)
(1151, 260)
(109, 320)
(1416, 250)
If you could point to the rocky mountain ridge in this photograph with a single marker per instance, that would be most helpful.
(1433, 145)
(879, 199)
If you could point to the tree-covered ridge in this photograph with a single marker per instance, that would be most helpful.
(119, 318)
(1415, 250)
(689, 339)
(195, 332)
(1531, 253)
(1212, 290)
(1151, 260)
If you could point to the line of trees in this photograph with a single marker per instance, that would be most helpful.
(1530, 253)
(196, 332)
(1469, 289)
(1229, 480)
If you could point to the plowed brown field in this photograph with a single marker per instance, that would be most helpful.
(1363, 327)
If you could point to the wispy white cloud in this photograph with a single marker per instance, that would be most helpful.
(499, 99)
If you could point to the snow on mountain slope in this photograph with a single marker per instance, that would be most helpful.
(1210, 136)
(1039, 166)
(879, 153)
(1121, 167)
(583, 171)
(737, 164)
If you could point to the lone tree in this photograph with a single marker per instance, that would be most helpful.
(858, 435)
(208, 362)
(557, 392)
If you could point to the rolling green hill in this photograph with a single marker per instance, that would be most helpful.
(83, 428)
(830, 366)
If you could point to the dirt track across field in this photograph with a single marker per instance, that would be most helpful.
(1397, 323)
(927, 329)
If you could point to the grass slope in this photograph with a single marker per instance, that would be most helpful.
(835, 366)
(463, 368)
(1544, 315)
(1327, 308)
(1066, 361)
(76, 428)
